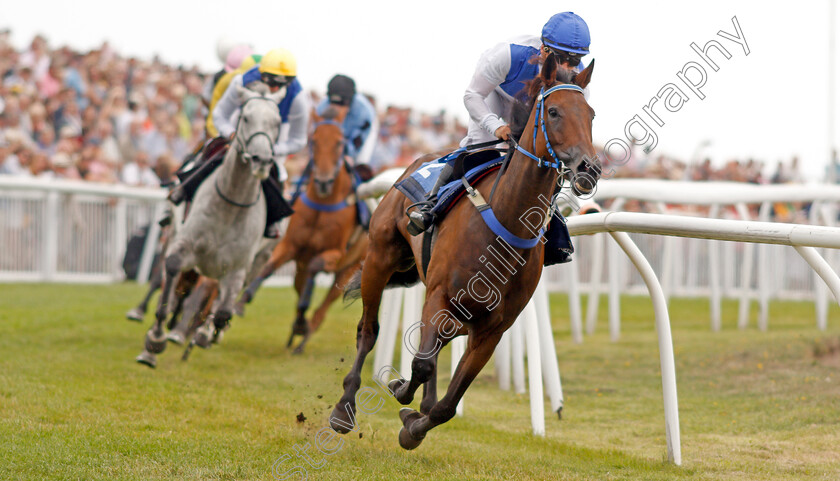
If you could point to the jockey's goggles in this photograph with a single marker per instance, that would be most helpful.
(273, 80)
(572, 59)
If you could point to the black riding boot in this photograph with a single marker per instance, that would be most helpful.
(422, 218)
(276, 205)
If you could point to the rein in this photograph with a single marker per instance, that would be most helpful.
(241, 150)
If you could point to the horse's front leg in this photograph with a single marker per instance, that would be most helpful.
(326, 261)
(180, 258)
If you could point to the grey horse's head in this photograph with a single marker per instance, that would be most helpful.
(258, 128)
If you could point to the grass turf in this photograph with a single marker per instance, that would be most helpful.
(74, 405)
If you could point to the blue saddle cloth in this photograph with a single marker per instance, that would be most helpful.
(475, 166)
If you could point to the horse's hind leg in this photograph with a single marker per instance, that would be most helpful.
(283, 253)
(222, 310)
(183, 287)
(436, 328)
(415, 425)
(324, 262)
(190, 307)
(155, 282)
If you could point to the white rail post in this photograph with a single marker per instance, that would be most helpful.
(763, 272)
(714, 274)
(535, 379)
(666, 345)
(389, 321)
(746, 274)
(551, 371)
(668, 261)
(412, 310)
(595, 282)
(50, 256)
(502, 361)
(459, 345)
(518, 356)
(574, 301)
(120, 237)
(150, 246)
(820, 297)
(615, 294)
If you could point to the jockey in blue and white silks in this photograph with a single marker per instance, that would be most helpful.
(359, 121)
(277, 69)
(502, 71)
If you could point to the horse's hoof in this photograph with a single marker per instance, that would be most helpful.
(407, 442)
(298, 350)
(339, 420)
(560, 413)
(395, 384)
(155, 344)
(202, 339)
(135, 315)
(176, 337)
(147, 358)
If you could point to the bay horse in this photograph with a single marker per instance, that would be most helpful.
(478, 279)
(324, 234)
(223, 232)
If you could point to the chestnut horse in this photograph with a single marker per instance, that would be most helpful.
(476, 283)
(324, 234)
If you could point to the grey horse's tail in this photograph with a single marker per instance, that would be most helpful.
(353, 289)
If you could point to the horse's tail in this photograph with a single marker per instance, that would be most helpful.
(353, 289)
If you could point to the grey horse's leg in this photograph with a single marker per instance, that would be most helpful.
(155, 342)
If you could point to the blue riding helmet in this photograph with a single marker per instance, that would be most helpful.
(568, 32)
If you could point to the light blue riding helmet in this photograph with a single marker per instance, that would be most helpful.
(567, 32)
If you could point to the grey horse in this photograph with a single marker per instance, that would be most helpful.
(224, 228)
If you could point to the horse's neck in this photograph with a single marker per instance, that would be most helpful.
(235, 179)
(523, 187)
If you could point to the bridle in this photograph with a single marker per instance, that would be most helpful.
(241, 149)
(539, 124)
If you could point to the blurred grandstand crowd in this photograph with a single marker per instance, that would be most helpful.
(102, 117)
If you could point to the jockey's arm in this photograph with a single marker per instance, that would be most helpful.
(298, 127)
(223, 114)
(492, 68)
(366, 119)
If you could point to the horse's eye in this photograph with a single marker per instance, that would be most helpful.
(553, 112)
(245, 119)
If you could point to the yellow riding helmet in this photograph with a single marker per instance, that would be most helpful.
(249, 62)
(279, 62)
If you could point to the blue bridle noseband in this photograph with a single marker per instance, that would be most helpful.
(539, 124)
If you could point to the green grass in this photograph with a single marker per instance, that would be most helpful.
(74, 405)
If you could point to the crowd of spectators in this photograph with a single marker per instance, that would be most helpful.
(103, 117)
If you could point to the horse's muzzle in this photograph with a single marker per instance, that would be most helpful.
(586, 175)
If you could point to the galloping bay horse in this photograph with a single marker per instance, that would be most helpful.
(468, 290)
(222, 234)
(324, 234)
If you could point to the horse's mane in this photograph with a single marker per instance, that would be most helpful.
(523, 103)
(259, 87)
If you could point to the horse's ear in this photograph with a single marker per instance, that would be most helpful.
(244, 93)
(582, 79)
(549, 70)
(278, 96)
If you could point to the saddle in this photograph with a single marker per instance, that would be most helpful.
(468, 169)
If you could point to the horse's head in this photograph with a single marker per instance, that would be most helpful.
(327, 150)
(562, 124)
(258, 128)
